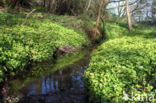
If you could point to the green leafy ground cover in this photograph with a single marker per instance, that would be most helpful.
(34, 41)
(114, 30)
(125, 64)
(82, 22)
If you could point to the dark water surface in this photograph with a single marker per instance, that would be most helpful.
(49, 82)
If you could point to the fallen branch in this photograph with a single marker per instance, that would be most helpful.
(25, 20)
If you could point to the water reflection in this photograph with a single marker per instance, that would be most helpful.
(63, 86)
(69, 78)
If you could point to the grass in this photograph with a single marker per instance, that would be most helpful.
(126, 62)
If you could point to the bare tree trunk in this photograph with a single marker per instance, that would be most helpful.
(128, 16)
(89, 5)
(44, 3)
(119, 9)
(99, 14)
(147, 17)
(25, 20)
(54, 6)
(15, 3)
(49, 6)
(123, 12)
(95, 32)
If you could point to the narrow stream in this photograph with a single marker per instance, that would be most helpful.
(48, 82)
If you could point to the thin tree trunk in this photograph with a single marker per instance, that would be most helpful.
(128, 16)
(99, 14)
(17, 3)
(49, 6)
(44, 3)
(54, 5)
(89, 5)
(25, 20)
(147, 18)
(119, 9)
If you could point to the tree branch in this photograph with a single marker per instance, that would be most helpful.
(25, 20)
(123, 5)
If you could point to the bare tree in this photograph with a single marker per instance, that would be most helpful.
(128, 16)
(27, 16)
(44, 3)
(89, 3)
(153, 10)
(99, 13)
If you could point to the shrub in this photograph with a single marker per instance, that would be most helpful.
(125, 64)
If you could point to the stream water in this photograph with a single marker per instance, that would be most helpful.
(49, 82)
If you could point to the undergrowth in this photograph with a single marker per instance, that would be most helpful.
(34, 41)
(125, 63)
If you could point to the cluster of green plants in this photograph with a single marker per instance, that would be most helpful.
(36, 40)
(84, 22)
(11, 19)
(81, 22)
(125, 64)
(115, 30)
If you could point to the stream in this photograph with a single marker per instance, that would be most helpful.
(52, 81)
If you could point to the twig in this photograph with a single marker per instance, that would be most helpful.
(25, 20)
